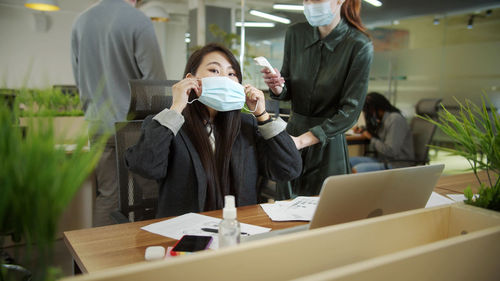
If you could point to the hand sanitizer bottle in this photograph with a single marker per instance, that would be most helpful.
(229, 228)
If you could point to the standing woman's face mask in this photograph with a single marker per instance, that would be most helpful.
(320, 13)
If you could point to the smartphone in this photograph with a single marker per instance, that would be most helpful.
(191, 243)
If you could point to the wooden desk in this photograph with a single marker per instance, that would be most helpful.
(100, 248)
(104, 247)
(356, 145)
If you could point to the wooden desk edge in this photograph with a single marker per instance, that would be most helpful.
(74, 256)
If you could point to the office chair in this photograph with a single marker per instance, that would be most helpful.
(273, 108)
(71, 90)
(422, 130)
(138, 196)
(149, 97)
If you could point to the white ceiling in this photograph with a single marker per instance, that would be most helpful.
(389, 11)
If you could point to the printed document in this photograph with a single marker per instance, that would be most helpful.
(192, 224)
(301, 208)
(438, 200)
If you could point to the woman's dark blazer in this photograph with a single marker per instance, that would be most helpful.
(173, 161)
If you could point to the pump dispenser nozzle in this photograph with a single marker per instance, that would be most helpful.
(229, 211)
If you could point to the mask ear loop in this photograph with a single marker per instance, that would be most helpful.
(190, 102)
(252, 111)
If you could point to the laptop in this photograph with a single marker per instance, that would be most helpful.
(346, 198)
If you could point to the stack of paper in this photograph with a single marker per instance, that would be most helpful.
(299, 209)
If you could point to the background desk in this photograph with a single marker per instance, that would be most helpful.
(356, 144)
(100, 248)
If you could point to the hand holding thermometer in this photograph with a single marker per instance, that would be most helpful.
(262, 61)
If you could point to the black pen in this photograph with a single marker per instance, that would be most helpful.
(214, 230)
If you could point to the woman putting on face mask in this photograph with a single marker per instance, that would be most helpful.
(325, 71)
(204, 148)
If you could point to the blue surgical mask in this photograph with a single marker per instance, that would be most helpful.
(319, 14)
(221, 94)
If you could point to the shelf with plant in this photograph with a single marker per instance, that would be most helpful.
(38, 180)
(475, 132)
(48, 102)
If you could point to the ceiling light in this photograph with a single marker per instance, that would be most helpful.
(269, 16)
(375, 3)
(42, 5)
(256, 24)
(288, 7)
(155, 11)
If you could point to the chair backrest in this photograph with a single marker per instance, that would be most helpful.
(138, 196)
(273, 107)
(149, 97)
(422, 130)
(71, 90)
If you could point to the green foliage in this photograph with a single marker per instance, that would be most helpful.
(38, 181)
(225, 38)
(476, 136)
(48, 102)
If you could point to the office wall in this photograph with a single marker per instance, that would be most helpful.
(34, 58)
(38, 59)
(446, 60)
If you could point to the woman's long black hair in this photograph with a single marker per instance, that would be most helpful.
(375, 101)
(226, 127)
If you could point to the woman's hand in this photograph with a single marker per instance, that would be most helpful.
(305, 140)
(256, 102)
(181, 91)
(274, 81)
(366, 135)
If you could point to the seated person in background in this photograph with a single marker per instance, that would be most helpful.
(389, 134)
(204, 147)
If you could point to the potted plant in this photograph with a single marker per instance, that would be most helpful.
(62, 109)
(475, 131)
(37, 181)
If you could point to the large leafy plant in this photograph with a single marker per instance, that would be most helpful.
(475, 132)
(38, 179)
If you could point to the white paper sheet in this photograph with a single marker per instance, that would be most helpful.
(301, 208)
(460, 197)
(457, 197)
(438, 200)
(191, 224)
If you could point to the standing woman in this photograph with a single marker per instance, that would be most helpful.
(325, 75)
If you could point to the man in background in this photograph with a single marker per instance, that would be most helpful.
(111, 43)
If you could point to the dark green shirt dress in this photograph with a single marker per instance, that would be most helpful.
(326, 81)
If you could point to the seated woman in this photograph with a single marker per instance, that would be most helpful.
(204, 148)
(389, 134)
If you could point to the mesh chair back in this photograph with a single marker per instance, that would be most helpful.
(138, 196)
(149, 97)
(273, 107)
(71, 90)
(422, 130)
